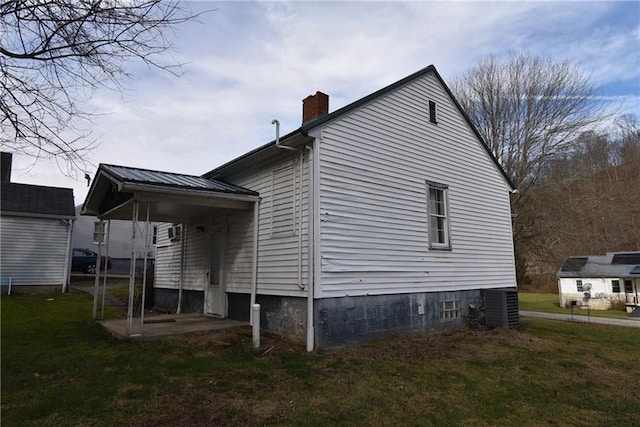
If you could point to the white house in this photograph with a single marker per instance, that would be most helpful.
(35, 225)
(600, 282)
(120, 236)
(389, 214)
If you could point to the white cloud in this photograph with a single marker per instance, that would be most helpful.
(248, 63)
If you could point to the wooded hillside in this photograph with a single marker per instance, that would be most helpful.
(585, 202)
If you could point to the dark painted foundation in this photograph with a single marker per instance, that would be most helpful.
(284, 315)
(167, 300)
(349, 319)
(337, 320)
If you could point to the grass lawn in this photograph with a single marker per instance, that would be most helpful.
(550, 303)
(60, 368)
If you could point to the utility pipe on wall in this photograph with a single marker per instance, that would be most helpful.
(254, 265)
(297, 184)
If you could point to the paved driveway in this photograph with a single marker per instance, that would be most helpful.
(631, 323)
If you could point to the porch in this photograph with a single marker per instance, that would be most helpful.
(162, 325)
(144, 196)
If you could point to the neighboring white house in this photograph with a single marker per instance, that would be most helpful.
(35, 229)
(86, 235)
(389, 214)
(600, 282)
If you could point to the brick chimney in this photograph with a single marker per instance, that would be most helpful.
(5, 167)
(314, 106)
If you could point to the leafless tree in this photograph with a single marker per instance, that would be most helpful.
(528, 109)
(55, 54)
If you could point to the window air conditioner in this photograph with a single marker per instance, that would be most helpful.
(174, 232)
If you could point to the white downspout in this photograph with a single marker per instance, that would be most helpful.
(310, 241)
(67, 267)
(299, 188)
(254, 265)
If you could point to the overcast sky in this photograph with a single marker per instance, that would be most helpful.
(248, 63)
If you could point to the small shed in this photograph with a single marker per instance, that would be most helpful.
(35, 224)
(600, 282)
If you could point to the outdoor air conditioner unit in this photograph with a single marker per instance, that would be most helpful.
(501, 308)
(174, 232)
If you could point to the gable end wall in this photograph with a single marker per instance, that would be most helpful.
(375, 162)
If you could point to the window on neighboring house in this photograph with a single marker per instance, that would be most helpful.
(154, 235)
(282, 201)
(99, 231)
(628, 286)
(438, 213)
(579, 285)
(432, 112)
(450, 307)
(615, 286)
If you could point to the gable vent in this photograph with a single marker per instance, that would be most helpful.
(432, 112)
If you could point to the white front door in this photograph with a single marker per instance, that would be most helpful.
(215, 296)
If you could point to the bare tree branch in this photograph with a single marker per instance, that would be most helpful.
(55, 54)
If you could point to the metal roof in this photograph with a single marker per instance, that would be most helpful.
(600, 266)
(170, 179)
(164, 196)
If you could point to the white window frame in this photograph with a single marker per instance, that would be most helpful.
(284, 227)
(98, 237)
(579, 285)
(613, 290)
(449, 307)
(435, 243)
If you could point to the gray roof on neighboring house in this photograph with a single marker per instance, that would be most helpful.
(613, 264)
(36, 200)
(170, 179)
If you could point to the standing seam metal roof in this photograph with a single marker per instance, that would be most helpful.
(170, 179)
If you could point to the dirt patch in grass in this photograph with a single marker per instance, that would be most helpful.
(444, 345)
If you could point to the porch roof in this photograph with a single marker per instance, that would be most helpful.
(169, 197)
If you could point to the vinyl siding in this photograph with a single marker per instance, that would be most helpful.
(374, 164)
(278, 248)
(167, 271)
(33, 250)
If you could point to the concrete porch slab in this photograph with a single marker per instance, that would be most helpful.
(158, 326)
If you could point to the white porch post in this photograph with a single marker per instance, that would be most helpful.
(144, 272)
(96, 282)
(104, 279)
(183, 247)
(132, 266)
